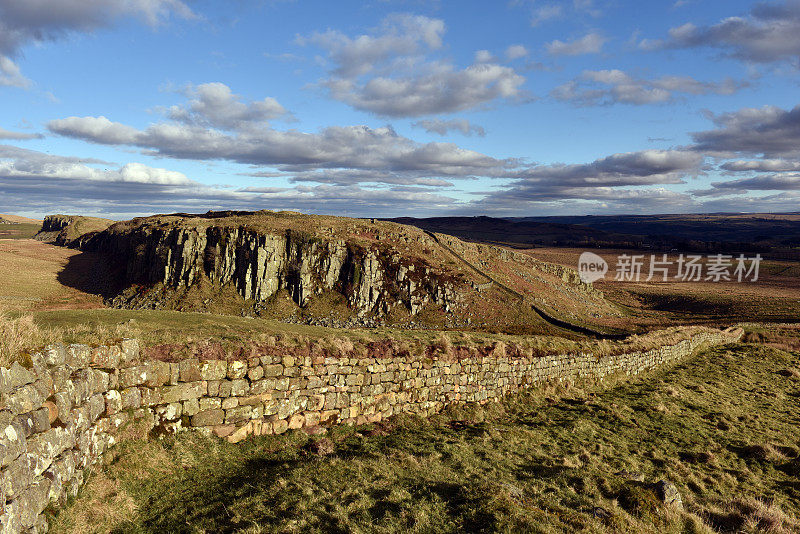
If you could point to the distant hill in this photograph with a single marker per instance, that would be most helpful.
(337, 271)
(17, 219)
(777, 234)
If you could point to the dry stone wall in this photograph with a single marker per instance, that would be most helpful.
(60, 415)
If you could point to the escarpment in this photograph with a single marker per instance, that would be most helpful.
(372, 274)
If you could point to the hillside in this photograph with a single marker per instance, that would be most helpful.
(774, 234)
(334, 271)
(17, 219)
(68, 230)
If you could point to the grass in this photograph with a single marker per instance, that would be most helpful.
(722, 426)
(18, 230)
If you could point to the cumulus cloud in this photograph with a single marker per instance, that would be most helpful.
(515, 52)
(215, 105)
(41, 183)
(36, 21)
(770, 32)
(591, 43)
(18, 136)
(769, 131)
(761, 165)
(621, 182)
(544, 13)
(17, 163)
(10, 75)
(190, 134)
(442, 127)
(606, 87)
(389, 72)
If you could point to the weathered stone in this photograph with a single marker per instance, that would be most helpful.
(209, 403)
(208, 418)
(191, 407)
(55, 355)
(131, 398)
(222, 431)
(113, 402)
(159, 373)
(129, 351)
(97, 405)
(190, 370)
(669, 494)
(296, 421)
(182, 392)
(213, 369)
(272, 371)
(237, 369)
(16, 478)
(255, 373)
(133, 376)
(106, 357)
(169, 412)
(78, 356)
(280, 426)
(238, 414)
(24, 399)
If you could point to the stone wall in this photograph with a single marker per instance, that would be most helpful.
(62, 413)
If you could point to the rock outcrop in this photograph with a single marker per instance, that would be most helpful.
(372, 277)
(70, 230)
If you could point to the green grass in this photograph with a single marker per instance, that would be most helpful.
(185, 330)
(18, 231)
(722, 426)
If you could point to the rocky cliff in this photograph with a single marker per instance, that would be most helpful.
(70, 230)
(371, 273)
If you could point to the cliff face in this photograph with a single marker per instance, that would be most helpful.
(70, 230)
(258, 264)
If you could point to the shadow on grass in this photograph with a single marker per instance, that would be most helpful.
(94, 273)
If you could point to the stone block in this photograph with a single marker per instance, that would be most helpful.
(184, 391)
(55, 355)
(210, 403)
(24, 399)
(106, 357)
(134, 376)
(78, 356)
(129, 351)
(255, 373)
(131, 398)
(190, 370)
(113, 402)
(272, 371)
(208, 418)
(213, 369)
(237, 369)
(191, 407)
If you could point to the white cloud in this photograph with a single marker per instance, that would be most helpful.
(442, 127)
(769, 131)
(23, 22)
(515, 52)
(591, 43)
(544, 13)
(390, 73)
(770, 32)
(606, 87)
(214, 104)
(18, 136)
(10, 75)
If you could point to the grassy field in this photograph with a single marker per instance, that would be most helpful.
(722, 426)
(18, 231)
(774, 297)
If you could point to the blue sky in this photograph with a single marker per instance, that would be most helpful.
(130, 107)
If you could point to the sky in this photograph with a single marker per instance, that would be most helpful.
(121, 108)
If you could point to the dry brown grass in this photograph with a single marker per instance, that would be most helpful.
(104, 505)
(34, 276)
